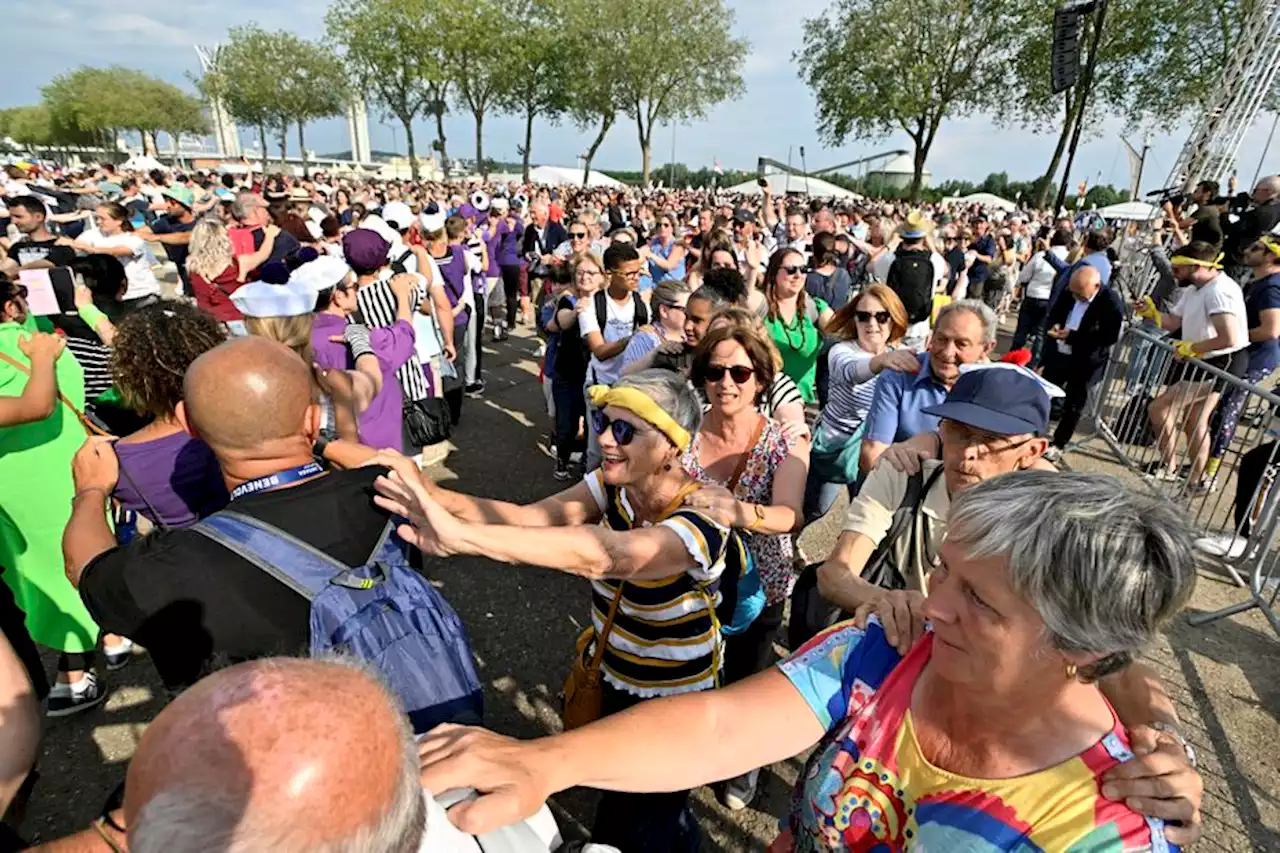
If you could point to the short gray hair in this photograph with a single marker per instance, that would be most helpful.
(198, 819)
(1103, 565)
(671, 391)
(978, 308)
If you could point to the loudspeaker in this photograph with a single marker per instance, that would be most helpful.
(1065, 65)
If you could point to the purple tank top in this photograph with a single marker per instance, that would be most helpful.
(176, 474)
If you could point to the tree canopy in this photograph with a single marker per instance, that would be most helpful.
(98, 103)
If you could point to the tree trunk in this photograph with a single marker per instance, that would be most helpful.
(409, 149)
(444, 153)
(302, 150)
(284, 147)
(917, 169)
(262, 140)
(1056, 160)
(606, 122)
(528, 143)
(480, 164)
(646, 152)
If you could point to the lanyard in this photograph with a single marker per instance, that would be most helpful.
(282, 478)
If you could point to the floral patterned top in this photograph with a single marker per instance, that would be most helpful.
(774, 554)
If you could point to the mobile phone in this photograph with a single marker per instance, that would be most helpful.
(764, 182)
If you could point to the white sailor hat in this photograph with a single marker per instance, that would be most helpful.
(260, 299)
(323, 273)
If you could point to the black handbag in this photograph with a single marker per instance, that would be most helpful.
(427, 422)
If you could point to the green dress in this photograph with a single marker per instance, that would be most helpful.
(35, 505)
(799, 342)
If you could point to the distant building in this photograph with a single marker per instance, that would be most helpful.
(896, 174)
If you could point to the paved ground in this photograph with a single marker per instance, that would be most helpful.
(523, 622)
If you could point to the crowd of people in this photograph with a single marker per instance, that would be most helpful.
(232, 470)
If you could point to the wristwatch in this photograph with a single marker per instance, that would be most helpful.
(317, 449)
(1169, 729)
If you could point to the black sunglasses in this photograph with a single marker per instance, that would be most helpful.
(882, 317)
(623, 431)
(577, 235)
(739, 373)
(793, 269)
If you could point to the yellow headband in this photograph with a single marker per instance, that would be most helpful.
(1271, 243)
(641, 404)
(1183, 261)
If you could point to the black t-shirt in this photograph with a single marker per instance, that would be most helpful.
(29, 251)
(571, 353)
(188, 600)
(285, 244)
(1207, 225)
(178, 254)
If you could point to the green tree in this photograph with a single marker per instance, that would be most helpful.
(102, 102)
(245, 80)
(312, 86)
(537, 62)
(477, 35)
(933, 59)
(394, 53)
(593, 80)
(675, 60)
(1154, 65)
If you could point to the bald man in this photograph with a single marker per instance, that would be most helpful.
(184, 597)
(282, 754)
(1262, 217)
(1084, 324)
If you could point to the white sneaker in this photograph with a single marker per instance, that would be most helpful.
(68, 699)
(1053, 453)
(741, 790)
(1223, 545)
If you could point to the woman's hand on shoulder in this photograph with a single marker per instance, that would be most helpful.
(909, 456)
(718, 503)
(902, 360)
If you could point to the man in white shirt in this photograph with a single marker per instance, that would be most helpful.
(1215, 331)
(1035, 284)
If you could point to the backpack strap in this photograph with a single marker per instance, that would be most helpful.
(303, 568)
(641, 317)
(598, 302)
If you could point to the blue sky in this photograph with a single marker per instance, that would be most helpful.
(40, 41)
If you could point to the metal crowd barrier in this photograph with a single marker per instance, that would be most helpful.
(1173, 458)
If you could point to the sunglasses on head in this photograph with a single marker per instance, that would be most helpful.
(882, 317)
(623, 431)
(793, 269)
(739, 373)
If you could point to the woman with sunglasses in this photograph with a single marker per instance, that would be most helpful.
(672, 568)
(664, 254)
(794, 320)
(666, 334)
(753, 470)
(567, 365)
(870, 331)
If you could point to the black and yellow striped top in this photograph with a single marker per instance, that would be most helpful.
(664, 640)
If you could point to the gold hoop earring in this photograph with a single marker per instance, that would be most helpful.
(1071, 672)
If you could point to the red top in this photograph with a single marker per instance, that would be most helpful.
(215, 296)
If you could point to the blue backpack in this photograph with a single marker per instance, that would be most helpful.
(383, 612)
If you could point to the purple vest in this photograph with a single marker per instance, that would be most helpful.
(453, 267)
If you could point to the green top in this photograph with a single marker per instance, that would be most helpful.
(800, 342)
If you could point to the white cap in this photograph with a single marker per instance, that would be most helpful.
(431, 222)
(259, 299)
(376, 224)
(323, 273)
(499, 203)
(397, 212)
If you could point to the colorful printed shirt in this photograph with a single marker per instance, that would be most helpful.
(867, 786)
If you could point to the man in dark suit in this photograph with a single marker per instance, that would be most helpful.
(1084, 324)
(540, 239)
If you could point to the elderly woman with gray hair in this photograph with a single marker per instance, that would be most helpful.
(989, 734)
(664, 576)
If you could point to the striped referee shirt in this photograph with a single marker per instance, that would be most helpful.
(377, 306)
(95, 359)
(664, 640)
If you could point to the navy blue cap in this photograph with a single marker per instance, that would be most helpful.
(998, 399)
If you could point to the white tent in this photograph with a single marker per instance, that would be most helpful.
(780, 183)
(561, 175)
(984, 199)
(1133, 211)
(142, 163)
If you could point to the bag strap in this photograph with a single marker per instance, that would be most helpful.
(741, 467)
(235, 532)
(89, 426)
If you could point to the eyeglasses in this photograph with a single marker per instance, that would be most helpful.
(578, 235)
(739, 373)
(881, 317)
(793, 269)
(623, 431)
(665, 225)
(592, 273)
(985, 443)
(627, 273)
